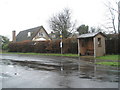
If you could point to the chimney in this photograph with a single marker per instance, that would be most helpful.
(14, 36)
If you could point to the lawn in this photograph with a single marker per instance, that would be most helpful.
(109, 57)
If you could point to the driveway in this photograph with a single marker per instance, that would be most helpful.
(34, 71)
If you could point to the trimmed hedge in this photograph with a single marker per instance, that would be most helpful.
(69, 46)
(25, 46)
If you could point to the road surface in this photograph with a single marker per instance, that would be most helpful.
(34, 71)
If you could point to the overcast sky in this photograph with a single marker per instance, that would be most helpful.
(24, 14)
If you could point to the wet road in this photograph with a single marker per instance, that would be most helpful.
(34, 71)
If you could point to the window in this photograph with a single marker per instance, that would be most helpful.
(41, 34)
(99, 42)
(29, 34)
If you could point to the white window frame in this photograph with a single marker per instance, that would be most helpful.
(29, 34)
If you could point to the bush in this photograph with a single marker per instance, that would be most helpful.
(5, 47)
(4, 41)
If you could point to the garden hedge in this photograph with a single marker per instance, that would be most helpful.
(69, 46)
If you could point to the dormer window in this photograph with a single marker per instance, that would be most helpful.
(29, 34)
(41, 34)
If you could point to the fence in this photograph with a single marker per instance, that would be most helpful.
(113, 46)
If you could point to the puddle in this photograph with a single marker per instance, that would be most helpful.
(5, 75)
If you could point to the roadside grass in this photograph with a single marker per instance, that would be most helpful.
(45, 54)
(109, 63)
(109, 57)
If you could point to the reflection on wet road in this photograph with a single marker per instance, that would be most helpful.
(24, 71)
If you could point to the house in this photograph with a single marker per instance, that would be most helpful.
(91, 44)
(33, 34)
(53, 35)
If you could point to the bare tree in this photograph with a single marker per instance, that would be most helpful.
(96, 29)
(112, 17)
(61, 22)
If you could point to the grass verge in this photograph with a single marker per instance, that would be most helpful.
(45, 54)
(109, 57)
(109, 63)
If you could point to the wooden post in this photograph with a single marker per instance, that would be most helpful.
(78, 46)
(104, 46)
(94, 47)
